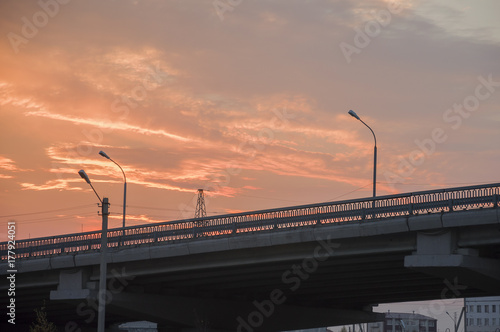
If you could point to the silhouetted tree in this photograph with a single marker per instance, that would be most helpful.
(42, 324)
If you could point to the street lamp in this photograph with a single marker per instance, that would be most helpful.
(453, 319)
(102, 153)
(104, 248)
(457, 324)
(354, 115)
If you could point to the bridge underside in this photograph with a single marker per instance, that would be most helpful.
(304, 278)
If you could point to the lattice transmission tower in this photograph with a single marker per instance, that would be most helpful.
(201, 210)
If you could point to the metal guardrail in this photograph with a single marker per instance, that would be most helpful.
(368, 209)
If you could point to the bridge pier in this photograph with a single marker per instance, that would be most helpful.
(438, 254)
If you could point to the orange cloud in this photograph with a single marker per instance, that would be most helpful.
(108, 125)
(7, 164)
(59, 184)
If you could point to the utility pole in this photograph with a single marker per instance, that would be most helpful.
(101, 295)
(454, 318)
(201, 210)
(103, 268)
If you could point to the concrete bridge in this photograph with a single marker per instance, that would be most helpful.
(271, 270)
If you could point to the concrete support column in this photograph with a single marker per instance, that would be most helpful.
(438, 254)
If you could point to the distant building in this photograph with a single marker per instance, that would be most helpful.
(322, 329)
(482, 314)
(404, 322)
(142, 326)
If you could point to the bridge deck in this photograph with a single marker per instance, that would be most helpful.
(219, 267)
(368, 209)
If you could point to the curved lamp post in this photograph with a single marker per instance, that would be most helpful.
(454, 320)
(455, 323)
(104, 248)
(354, 115)
(102, 153)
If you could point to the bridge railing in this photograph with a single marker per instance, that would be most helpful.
(357, 210)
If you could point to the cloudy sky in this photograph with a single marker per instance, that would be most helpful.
(245, 99)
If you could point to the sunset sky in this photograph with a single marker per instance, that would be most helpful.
(245, 99)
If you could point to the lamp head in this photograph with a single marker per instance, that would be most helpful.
(84, 176)
(353, 114)
(102, 153)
